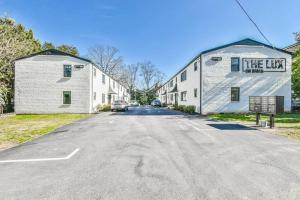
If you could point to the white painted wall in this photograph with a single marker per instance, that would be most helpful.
(39, 85)
(218, 79)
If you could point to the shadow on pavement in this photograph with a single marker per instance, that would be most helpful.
(143, 111)
(230, 127)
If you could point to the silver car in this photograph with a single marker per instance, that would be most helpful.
(119, 105)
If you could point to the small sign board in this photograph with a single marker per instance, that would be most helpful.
(266, 104)
(261, 65)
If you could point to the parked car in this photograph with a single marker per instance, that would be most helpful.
(119, 105)
(134, 103)
(156, 103)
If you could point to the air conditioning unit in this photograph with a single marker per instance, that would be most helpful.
(78, 66)
(216, 59)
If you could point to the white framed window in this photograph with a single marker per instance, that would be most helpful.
(171, 83)
(95, 95)
(67, 97)
(235, 64)
(183, 76)
(195, 66)
(95, 71)
(235, 94)
(103, 98)
(103, 78)
(195, 92)
(68, 71)
(183, 96)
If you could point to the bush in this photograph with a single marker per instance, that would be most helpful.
(186, 109)
(175, 106)
(104, 107)
(181, 108)
(190, 109)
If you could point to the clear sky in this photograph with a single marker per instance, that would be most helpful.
(167, 32)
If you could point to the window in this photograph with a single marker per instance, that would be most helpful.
(95, 95)
(235, 94)
(171, 97)
(195, 92)
(195, 66)
(171, 83)
(183, 96)
(66, 97)
(235, 64)
(103, 98)
(114, 84)
(67, 70)
(95, 72)
(103, 78)
(183, 76)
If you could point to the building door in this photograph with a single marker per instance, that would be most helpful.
(176, 98)
(109, 99)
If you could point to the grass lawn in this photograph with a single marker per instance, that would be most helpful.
(22, 128)
(286, 124)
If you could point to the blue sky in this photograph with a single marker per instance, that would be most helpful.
(167, 32)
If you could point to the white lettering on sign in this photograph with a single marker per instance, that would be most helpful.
(260, 65)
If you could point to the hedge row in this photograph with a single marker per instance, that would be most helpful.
(186, 109)
(104, 107)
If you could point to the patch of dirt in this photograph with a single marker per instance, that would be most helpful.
(6, 146)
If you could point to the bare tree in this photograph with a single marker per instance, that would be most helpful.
(132, 75)
(128, 76)
(150, 74)
(107, 58)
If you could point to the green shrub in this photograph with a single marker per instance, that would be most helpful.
(181, 108)
(104, 107)
(175, 106)
(190, 109)
(186, 109)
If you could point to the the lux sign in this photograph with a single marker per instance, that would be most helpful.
(260, 65)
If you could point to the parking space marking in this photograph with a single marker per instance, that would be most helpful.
(42, 159)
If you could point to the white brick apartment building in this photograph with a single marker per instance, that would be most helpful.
(56, 82)
(221, 79)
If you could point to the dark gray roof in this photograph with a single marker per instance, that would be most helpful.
(54, 52)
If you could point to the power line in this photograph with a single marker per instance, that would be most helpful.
(257, 27)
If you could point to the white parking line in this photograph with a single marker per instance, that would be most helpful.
(42, 159)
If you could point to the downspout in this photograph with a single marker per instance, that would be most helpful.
(200, 92)
(92, 91)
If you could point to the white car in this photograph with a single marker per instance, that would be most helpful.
(134, 103)
(119, 105)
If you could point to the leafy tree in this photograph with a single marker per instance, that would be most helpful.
(296, 75)
(68, 49)
(15, 41)
(48, 45)
(65, 48)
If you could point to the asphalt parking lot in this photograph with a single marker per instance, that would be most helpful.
(152, 153)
